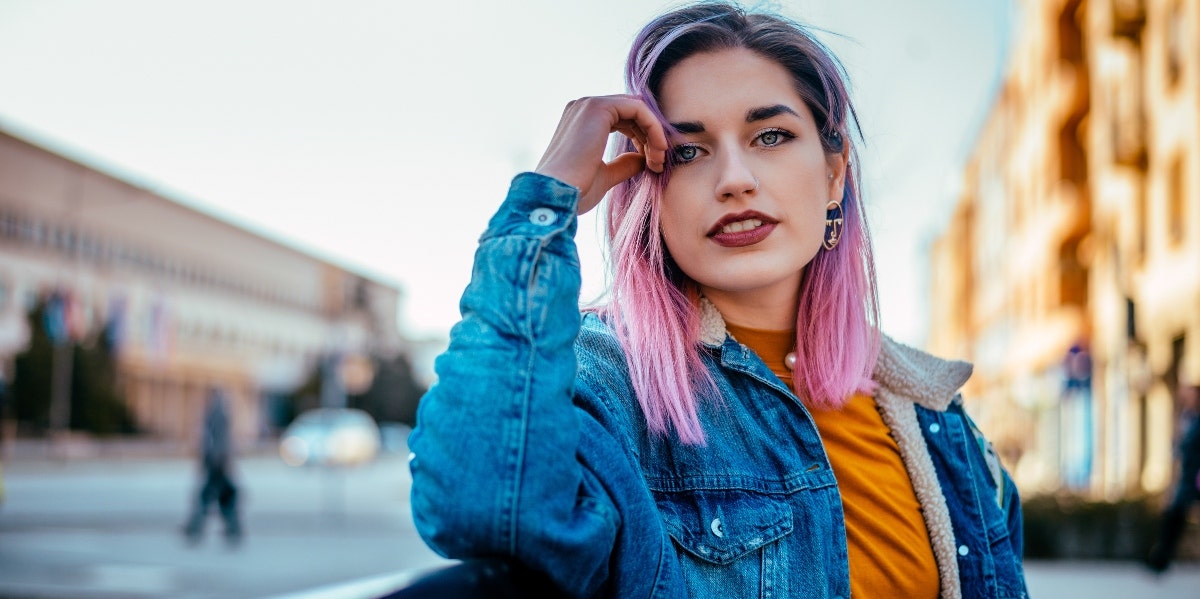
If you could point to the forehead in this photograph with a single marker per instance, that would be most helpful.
(726, 83)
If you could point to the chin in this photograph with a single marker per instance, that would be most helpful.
(744, 281)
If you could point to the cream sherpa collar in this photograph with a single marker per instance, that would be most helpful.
(924, 379)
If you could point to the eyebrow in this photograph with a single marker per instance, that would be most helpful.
(766, 112)
(761, 113)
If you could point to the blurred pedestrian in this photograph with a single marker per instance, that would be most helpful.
(216, 455)
(1173, 521)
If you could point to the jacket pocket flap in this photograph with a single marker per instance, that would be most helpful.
(721, 526)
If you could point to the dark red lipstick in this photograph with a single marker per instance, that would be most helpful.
(742, 238)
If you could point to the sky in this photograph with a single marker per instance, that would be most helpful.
(381, 135)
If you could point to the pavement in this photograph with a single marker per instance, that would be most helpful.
(1110, 580)
(108, 528)
(103, 525)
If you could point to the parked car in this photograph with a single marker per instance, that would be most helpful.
(330, 437)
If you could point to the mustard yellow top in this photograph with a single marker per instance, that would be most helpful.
(890, 552)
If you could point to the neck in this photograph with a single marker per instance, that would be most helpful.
(773, 310)
(774, 347)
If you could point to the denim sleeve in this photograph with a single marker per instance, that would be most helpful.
(496, 464)
(1007, 496)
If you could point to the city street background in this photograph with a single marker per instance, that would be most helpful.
(349, 130)
(108, 527)
(280, 202)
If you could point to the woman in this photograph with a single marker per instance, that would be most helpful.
(731, 423)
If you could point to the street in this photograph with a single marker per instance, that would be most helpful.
(107, 528)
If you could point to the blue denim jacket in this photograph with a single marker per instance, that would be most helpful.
(532, 445)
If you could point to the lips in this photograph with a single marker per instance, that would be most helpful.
(742, 229)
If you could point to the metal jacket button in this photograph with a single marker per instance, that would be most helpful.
(543, 216)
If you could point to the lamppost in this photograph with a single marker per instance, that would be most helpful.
(61, 365)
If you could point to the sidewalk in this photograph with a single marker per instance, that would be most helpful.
(102, 528)
(84, 447)
(109, 517)
(1110, 580)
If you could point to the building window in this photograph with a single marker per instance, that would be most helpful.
(1070, 35)
(1127, 120)
(1143, 223)
(1175, 41)
(8, 225)
(1175, 202)
(37, 233)
(1128, 18)
(1073, 274)
(1071, 154)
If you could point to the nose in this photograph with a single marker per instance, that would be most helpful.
(735, 177)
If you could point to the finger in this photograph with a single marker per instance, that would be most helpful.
(622, 168)
(655, 138)
(636, 135)
(639, 140)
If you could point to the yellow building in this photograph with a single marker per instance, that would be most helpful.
(201, 302)
(1079, 225)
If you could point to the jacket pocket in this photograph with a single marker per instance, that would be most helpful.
(719, 527)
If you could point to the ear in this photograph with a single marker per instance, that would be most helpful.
(836, 165)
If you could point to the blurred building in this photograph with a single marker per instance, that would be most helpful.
(188, 300)
(1070, 269)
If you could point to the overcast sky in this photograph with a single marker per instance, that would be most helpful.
(381, 135)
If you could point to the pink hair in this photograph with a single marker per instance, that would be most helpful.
(654, 305)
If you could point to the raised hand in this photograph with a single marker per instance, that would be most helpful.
(576, 152)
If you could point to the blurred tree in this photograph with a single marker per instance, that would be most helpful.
(32, 369)
(96, 406)
(391, 397)
(305, 397)
(394, 391)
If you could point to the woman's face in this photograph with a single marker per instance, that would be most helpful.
(744, 209)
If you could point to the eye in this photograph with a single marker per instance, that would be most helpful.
(774, 137)
(684, 154)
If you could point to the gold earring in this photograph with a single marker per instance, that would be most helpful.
(833, 224)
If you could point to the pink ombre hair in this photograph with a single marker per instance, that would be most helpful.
(654, 305)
